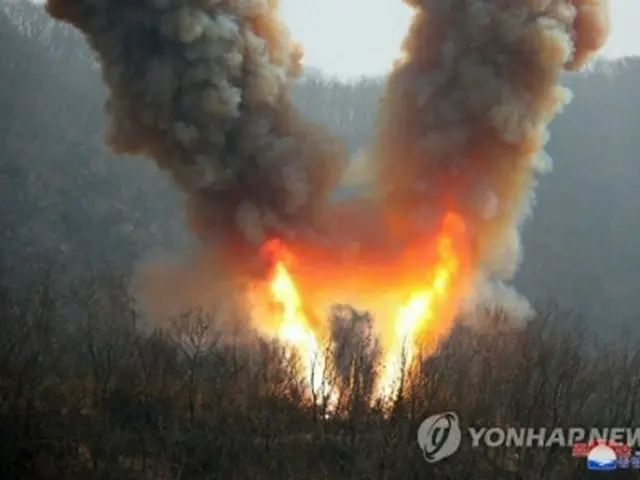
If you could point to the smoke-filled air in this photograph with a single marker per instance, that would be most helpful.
(204, 88)
(465, 116)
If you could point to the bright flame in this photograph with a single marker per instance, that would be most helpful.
(295, 329)
(293, 326)
(432, 302)
(432, 299)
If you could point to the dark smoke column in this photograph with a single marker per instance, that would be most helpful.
(203, 87)
(465, 115)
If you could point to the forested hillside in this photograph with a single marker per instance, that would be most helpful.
(87, 391)
(65, 195)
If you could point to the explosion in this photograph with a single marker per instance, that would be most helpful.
(292, 320)
(432, 301)
(203, 88)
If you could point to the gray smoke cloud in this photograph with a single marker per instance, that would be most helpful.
(203, 88)
(466, 111)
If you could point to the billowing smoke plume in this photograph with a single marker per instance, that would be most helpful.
(465, 114)
(203, 87)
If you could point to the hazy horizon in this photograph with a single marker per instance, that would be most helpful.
(339, 46)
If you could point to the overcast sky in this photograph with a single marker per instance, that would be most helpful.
(343, 38)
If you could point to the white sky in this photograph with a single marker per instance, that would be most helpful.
(333, 44)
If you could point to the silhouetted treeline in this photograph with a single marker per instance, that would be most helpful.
(88, 391)
(102, 397)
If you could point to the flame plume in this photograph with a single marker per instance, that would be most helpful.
(204, 88)
(466, 110)
(433, 301)
(293, 321)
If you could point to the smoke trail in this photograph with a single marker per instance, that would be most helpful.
(464, 117)
(203, 87)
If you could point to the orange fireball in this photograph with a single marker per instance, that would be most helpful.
(431, 306)
(412, 287)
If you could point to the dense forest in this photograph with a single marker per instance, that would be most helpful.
(87, 392)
